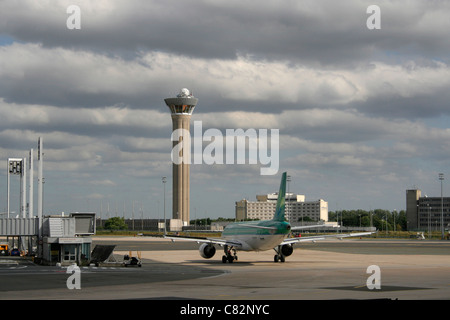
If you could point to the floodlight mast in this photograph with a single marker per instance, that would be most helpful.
(7, 187)
(23, 182)
(164, 180)
(15, 166)
(30, 203)
(441, 178)
(40, 184)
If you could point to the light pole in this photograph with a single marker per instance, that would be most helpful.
(429, 216)
(393, 214)
(164, 180)
(288, 179)
(386, 224)
(441, 178)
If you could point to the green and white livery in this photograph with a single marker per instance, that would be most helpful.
(259, 235)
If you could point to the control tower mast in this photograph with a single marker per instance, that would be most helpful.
(181, 108)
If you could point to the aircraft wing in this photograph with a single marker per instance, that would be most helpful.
(323, 237)
(306, 227)
(219, 241)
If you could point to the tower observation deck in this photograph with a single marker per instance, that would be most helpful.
(181, 108)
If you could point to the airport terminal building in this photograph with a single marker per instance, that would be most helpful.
(297, 209)
(424, 213)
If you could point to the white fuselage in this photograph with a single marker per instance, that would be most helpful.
(257, 236)
(256, 242)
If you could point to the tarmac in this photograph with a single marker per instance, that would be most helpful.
(314, 274)
(331, 270)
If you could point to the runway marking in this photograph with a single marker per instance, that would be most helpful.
(16, 268)
(8, 262)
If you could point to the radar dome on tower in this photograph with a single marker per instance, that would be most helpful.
(184, 93)
(183, 103)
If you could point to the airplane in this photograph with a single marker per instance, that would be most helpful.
(259, 235)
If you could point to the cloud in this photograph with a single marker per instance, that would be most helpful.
(83, 121)
(359, 111)
(325, 32)
(90, 80)
(103, 183)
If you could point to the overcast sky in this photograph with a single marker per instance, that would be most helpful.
(363, 114)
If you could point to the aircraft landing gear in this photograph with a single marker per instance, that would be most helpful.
(279, 256)
(228, 255)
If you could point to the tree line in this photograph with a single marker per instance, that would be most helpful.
(379, 218)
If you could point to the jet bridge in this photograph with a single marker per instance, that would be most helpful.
(12, 227)
(65, 239)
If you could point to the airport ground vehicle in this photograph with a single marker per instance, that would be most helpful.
(128, 260)
(15, 252)
(4, 250)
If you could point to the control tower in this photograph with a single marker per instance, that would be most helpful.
(181, 108)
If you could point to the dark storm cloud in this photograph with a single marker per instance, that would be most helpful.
(104, 65)
(325, 32)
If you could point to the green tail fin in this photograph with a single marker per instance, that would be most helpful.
(279, 212)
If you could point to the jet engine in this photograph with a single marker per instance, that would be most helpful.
(287, 250)
(207, 250)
